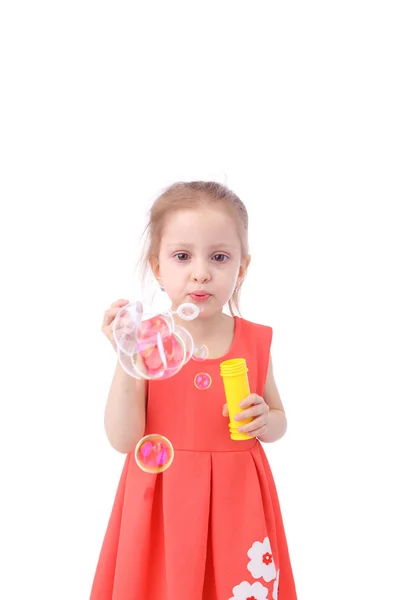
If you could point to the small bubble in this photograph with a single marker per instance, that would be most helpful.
(202, 381)
(200, 352)
(188, 311)
(154, 453)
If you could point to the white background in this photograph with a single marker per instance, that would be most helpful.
(104, 103)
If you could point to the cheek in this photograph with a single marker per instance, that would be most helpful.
(232, 271)
(175, 274)
(227, 279)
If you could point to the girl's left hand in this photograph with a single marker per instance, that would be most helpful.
(254, 407)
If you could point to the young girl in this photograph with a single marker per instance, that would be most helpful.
(209, 527)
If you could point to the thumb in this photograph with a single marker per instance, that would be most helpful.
(225, 412)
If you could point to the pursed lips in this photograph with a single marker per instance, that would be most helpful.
(200, 295)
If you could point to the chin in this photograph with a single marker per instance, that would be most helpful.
(209, 311)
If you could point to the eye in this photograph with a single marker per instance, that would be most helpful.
(181, 256)
(220, 257)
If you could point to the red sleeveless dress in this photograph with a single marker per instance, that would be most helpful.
(210, 526)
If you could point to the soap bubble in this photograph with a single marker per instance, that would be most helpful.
(134, 322)
(187, 340)
(154, 453)
(202, 381)
(125, 361)
(149, 345)
(125, 326)
(200, 352)
(188, 311)
(158, 357)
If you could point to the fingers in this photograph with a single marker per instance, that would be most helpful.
(257, 406)
(119, 303)
(257, 432)
(110, 315)
(252, 399)
(108, 320)
(252, 412)
(255, 425)
(112, 312)
(258, 411)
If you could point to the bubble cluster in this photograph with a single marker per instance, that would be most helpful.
(187, 340)
(151, 346)
(154, 453)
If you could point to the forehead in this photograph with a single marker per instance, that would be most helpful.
(205, 225)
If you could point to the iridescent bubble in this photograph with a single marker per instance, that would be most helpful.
(135, 321)
(125, 361)
(187, 340)
(159, 356)
(200, 352)
(149, 345)
(154, 453)
(202, 381)
(153, 326)
(126, 325)
(188, 311)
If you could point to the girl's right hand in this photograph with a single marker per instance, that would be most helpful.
(108, 321)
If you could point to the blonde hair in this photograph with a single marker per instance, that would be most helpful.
(184, 195)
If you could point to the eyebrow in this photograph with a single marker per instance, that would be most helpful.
(188, 245)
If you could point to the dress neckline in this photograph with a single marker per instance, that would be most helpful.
(231, 352)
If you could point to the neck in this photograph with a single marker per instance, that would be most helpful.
(203, 328)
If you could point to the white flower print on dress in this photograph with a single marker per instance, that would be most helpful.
(262, 562)
(276, 586)
(248, 591)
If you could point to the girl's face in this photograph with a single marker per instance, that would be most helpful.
(200, 259)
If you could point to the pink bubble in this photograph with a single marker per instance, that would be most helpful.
(187, 340)
(159, 354)
(146, 449)
(162, 458)
(154, 453)
(202, 381)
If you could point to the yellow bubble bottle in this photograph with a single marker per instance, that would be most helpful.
(236, 384)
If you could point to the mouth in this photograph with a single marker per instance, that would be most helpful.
(200, 296)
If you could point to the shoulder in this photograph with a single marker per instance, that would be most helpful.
(256, 341)
(256, 330)
(256, 337)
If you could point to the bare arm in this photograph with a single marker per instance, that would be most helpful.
(256, 407)
(277, 423)
(125, 412)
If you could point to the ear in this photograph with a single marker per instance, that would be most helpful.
(244, 265)
(242, 271)
(155, 267)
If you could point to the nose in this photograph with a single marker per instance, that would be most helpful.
(201, 272)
